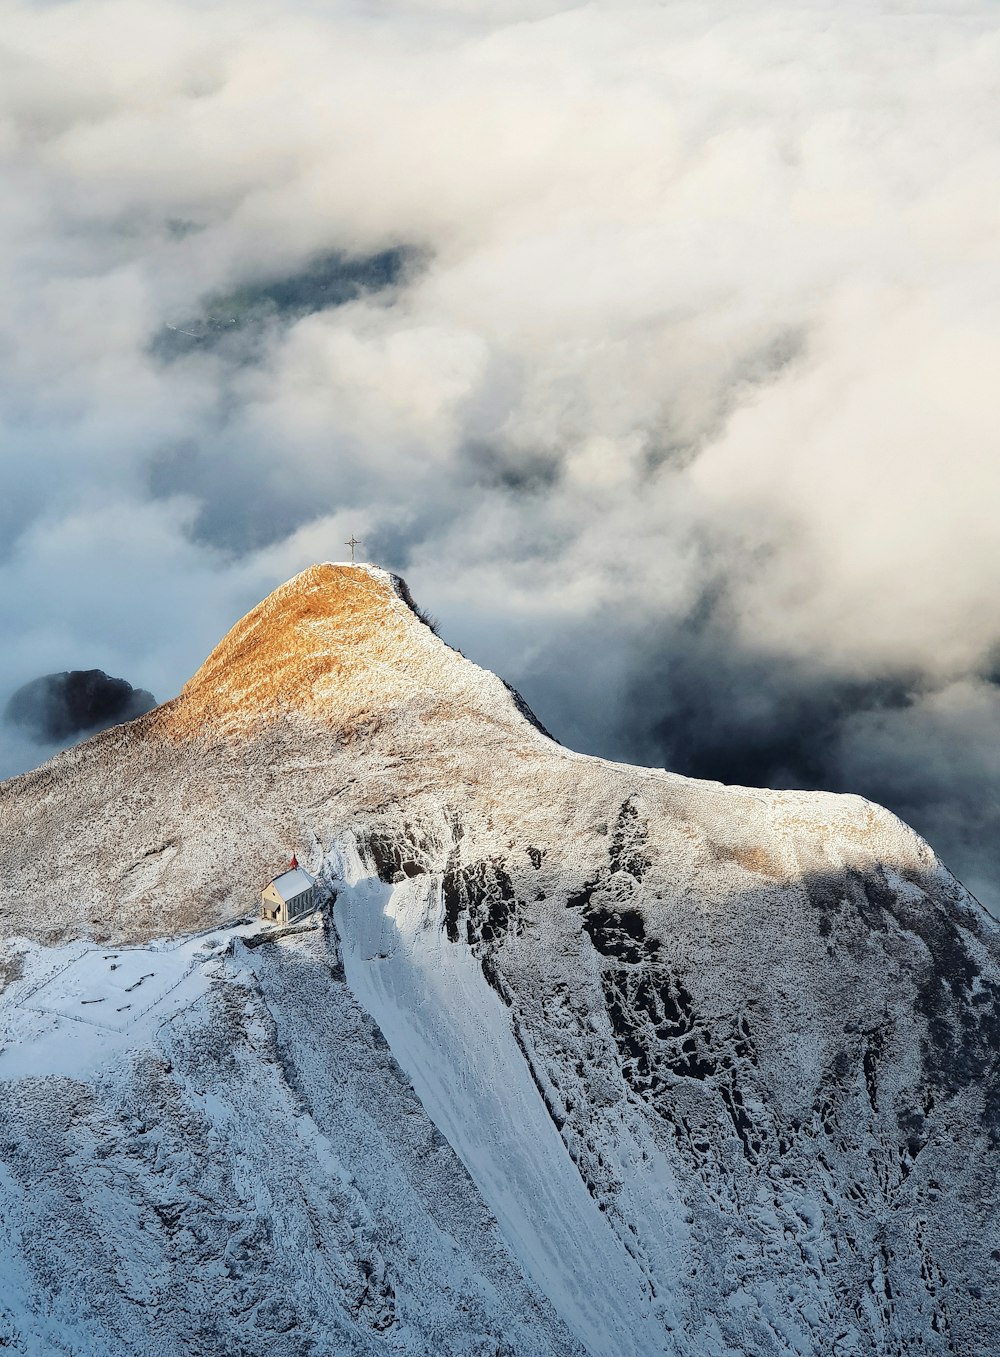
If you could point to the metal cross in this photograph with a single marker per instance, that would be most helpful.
(352, 544)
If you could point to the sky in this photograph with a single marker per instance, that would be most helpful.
(656, 345)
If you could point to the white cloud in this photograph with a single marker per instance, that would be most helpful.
(706, 306)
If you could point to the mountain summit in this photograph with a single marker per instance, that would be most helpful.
(339, 645)
(180, 814)
(672, 1067)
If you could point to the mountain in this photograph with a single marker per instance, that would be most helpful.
(580, 1058)
(60, 707)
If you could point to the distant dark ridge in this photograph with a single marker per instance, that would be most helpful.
(57, 707)
(328, 280)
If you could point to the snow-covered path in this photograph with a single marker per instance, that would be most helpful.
(451, 1034)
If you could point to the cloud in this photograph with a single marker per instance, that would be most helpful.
(680, 411)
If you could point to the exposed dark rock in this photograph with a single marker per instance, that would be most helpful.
(397, 857)
(58, 707)
(482, 895)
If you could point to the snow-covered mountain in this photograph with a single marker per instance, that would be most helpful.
(583, 1058)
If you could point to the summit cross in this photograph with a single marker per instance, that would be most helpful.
(352, 544)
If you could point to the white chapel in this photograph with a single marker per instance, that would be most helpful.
(289, 896)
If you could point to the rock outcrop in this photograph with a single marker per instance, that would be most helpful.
(59, 707)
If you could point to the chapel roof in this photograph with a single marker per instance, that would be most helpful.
(292, 883)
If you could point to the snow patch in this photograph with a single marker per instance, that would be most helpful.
(451, 1034)
(76, 1009)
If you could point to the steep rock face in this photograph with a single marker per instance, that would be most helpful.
(816, 1066)
(751, 1035)
(810, 1057)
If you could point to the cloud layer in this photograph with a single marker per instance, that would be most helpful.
(678, 409)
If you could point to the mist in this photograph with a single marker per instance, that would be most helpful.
(656, 346)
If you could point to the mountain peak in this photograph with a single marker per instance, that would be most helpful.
(332, 643)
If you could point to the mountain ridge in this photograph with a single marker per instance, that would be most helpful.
(716, 1062)
(339, 649)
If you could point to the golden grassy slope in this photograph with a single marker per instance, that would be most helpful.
(331, 643)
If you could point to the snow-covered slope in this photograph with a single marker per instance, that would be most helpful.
(672, 1067)
(243, 1170)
